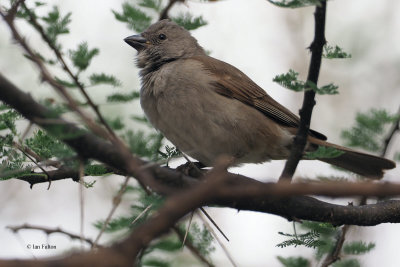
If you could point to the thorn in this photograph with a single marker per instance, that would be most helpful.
(214, 223)
(187, 229)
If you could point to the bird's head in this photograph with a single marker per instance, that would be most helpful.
(163, 42)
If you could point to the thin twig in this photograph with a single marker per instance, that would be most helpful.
(191, 247)
(235, 193)
(395, 128)
(46, 76)
(65, 66)
(25, 133)
(300, 139)
(28, 151)
(142, 213)
(13, 10)
(188, 228)
(40, 167)
(335, 255)
(164, 12)
(174, 208)
(81, 199)
(116, 202)
(48, 231)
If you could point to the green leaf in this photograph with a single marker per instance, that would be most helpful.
(187, 21)
(201, 238)
(96, 79)
(5, 141)
(82, 56)
(369, 130)
(153, 4)
(155, 262)
(11, 170)
(329, 89)
(56, 24)
(134, 18)
(295, 3)
(4, 106)
(319, 227)
(358, 247)
(289, 80)
(347, 263)
(117, 224)
(323, 152)
(13, 163)
(121, 98)
(66, 83)
(37, 3)
(309, 239)
(168, 245)
(144, 145)
(141, 119)
(47, 146)
(331, 52)
(96, 170)
(8, 119)
(116, 123)
(49, 61)
(294, 261)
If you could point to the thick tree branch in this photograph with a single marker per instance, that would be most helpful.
(54, 175)
(174, 208)
(236, 191)
(61, 173)
(239, 192)
(316, 48)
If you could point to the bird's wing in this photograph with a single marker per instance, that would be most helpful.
(233, 83)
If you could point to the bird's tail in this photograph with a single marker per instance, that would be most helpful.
(361, 163)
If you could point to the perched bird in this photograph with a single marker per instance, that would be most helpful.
(208, 108)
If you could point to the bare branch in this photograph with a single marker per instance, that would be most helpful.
(46, 76)
(395, 128)
(116, 202)
(48, 231)
(300, 140)
(164, 12)
(192, 248)
(335, 255)
(174, 208)
(75, 78)
(13, 10)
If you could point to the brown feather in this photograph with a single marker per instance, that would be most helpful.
(233, 83)
(361, 163)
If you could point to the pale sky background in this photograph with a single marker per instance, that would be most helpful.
(260, 39)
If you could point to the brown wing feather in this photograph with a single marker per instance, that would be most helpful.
(233, 83)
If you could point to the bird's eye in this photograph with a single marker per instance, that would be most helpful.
(162, 36)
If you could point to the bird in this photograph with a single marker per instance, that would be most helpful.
(208, 108)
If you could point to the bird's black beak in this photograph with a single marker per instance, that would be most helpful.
(136, 41)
